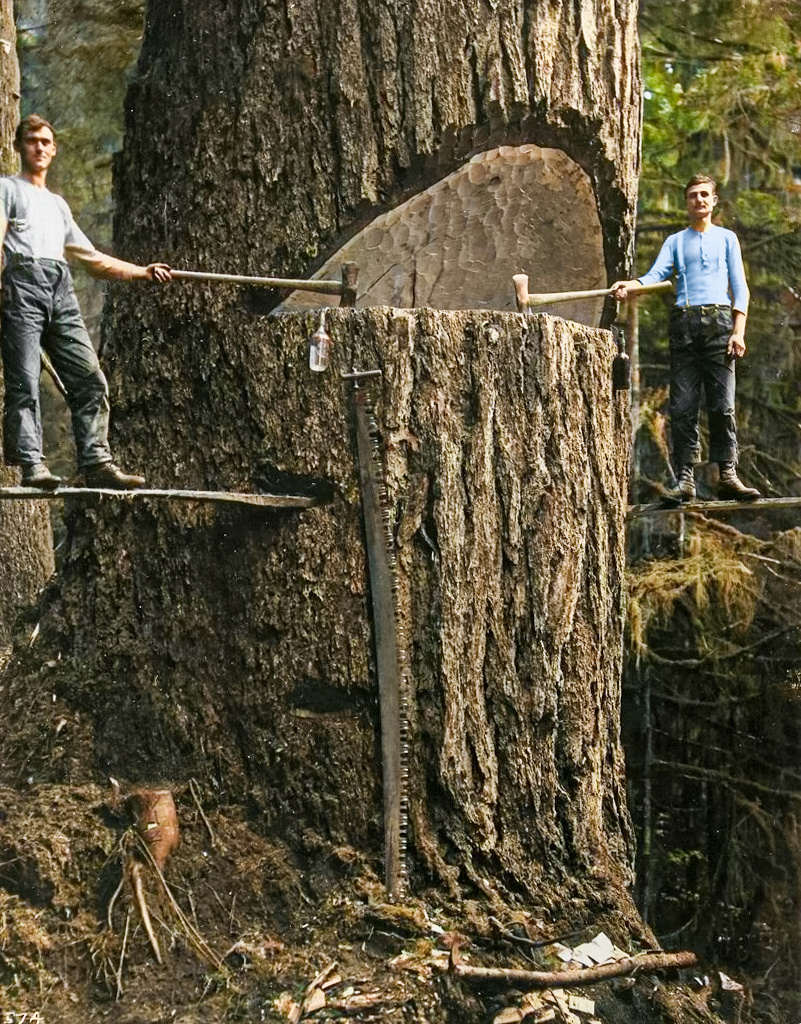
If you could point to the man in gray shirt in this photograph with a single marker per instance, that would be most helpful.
(39, 309)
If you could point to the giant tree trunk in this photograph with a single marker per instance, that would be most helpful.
(240, 645)
(262, 136)
(26, 547)
(236, 647)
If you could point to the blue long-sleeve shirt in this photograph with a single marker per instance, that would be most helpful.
(712, 270)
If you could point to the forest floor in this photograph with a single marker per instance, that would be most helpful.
(243, 928)
(247, 931)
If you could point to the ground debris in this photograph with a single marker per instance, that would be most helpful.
(292, 952)
(318, 995)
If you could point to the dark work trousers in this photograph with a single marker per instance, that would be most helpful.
(699, 337)
(39, 308)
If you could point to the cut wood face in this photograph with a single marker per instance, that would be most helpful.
(514, 209)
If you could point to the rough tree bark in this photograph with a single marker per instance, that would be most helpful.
(261, 136)
(237, 647)
(26, 547)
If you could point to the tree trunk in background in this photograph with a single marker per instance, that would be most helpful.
(236, 646)
(26, 547)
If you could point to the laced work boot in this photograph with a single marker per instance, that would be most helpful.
(685, 489)
(107, 475)
(731, 487)
(39, 476)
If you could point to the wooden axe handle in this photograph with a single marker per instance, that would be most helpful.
(322, 287)
(524, 299)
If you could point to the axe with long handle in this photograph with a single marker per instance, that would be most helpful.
(525, 299)
(345, 288)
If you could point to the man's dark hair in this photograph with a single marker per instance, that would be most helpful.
(700, 179)
(31, 123)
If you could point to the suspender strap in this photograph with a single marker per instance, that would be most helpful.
(682, 266)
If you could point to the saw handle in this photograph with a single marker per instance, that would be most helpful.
(524, 299)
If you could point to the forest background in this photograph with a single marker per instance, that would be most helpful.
(711, 713)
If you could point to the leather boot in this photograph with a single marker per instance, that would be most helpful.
(39, 476)
(110, 477)
(731, 487)
(685, 489)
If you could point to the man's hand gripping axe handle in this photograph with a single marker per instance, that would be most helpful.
(525, 299)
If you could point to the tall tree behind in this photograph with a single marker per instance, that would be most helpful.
(26, 548)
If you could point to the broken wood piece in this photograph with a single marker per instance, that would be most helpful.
(313, 997)
(314, 1001)
(584, 976)
(509, 1015)
(156, 820)
(581, 1004)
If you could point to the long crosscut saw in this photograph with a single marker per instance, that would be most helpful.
(390, 652)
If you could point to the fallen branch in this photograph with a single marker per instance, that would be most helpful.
(118, 971)
(524, 939)
(584, 976)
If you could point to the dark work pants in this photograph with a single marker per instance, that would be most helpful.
(699, 337)
(39, 308)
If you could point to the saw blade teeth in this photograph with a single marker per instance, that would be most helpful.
(381, 514)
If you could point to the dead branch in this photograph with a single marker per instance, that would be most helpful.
(112, 901)
(524, 939)
(584, 976)
(734, 781)
(118, 971)
(713, 658)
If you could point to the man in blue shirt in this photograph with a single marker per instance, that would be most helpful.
(39, 308)
(706, 333)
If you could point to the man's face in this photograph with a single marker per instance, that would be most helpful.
(701, 200)
(37, 149)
